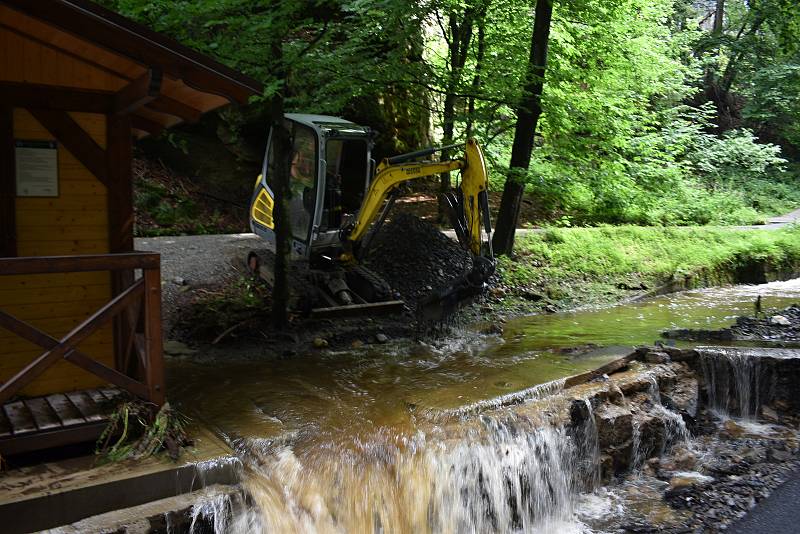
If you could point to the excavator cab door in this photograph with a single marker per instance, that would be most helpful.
(305, 191)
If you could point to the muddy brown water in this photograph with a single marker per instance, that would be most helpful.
(347, 441)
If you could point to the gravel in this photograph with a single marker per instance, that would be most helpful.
(415, 258)
(193, 262)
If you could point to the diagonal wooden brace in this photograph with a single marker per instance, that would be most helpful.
(67, 344)
(36, 336)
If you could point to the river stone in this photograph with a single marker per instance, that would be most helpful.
(655, 356)
(684, 459)
(779, 320)
(770, 415)
(779, 456)
(732, 430)
(688, 480)
(613, 425)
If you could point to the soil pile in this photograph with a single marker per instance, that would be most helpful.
(781, 326)
(415, 258)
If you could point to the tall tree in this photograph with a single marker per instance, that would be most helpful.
(480, 55)
(528, 113)
(458, 36)
(279, 170)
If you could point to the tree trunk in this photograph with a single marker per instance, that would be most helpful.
(280, 164)
(476, 79)
(460, 36)
(528, 113)
(719, 16)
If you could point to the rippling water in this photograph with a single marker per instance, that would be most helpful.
(348, 441)
(346, 394)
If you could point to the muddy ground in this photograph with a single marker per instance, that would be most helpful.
(211, 302)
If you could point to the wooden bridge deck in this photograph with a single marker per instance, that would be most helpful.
(55, 420)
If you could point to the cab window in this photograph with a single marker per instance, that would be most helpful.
(302, 181)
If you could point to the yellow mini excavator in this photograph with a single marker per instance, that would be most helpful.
(339, 200)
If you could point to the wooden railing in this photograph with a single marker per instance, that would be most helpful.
(137, 310)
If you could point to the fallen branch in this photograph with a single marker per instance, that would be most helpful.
(229, 330)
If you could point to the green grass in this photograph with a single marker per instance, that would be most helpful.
(584, 265)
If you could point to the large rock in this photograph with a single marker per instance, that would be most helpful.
(682, 396)
(652, 432)
(614, 425)
(614, 435)
(656, 356)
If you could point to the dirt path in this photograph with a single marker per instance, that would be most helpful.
(198, 261)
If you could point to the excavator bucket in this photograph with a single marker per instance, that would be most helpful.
(441, 304)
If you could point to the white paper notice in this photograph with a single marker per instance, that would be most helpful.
(37, 168)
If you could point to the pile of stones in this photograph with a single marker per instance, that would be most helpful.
(415, 258)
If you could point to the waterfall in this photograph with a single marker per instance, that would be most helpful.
(518, 468)
(734, 381)
(675, 429)
(504, 474)
(532, 393)
(638, 453)
(217, 513)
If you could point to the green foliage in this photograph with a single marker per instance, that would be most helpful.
(601, 258)
(649, 117)
(136, 430)
(672, 172)
(773, 99)
(164, 212)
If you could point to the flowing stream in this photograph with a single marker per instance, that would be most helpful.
(401, 438)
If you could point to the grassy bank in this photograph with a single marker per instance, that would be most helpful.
(575, 266)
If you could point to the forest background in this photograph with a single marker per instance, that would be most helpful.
(654, 112)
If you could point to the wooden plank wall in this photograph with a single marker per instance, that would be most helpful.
(74, 223)
(23, 59)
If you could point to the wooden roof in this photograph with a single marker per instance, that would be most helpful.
(107, 63)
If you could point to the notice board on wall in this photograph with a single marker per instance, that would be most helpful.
(36, 168)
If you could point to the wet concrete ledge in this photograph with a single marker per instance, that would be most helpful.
(785, 379)
(748, 272)
(61, 508)
(51, 496)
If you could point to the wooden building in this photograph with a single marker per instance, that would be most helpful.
(79, 309)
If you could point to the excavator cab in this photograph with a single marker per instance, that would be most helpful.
(329, 175)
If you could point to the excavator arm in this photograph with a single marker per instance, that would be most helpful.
(473, 211)
(469, 206)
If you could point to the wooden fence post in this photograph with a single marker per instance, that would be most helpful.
(152, 332)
